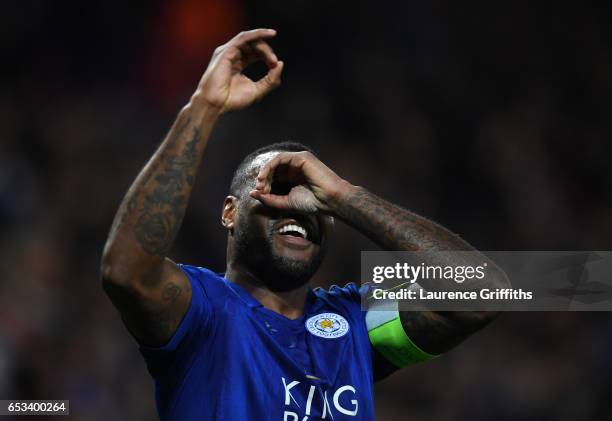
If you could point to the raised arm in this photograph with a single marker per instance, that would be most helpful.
(149, 290)
(318, 188)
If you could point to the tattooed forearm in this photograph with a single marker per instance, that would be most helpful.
(395, 228)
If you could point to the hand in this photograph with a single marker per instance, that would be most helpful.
(309, 185)
(223, 85)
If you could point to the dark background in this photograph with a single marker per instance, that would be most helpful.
(492, 118)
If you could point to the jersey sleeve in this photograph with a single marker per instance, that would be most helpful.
(381, 367)
(349, 292)
(177, 353)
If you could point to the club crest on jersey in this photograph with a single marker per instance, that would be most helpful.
(327, 325)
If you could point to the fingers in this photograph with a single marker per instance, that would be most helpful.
(263, 183)
(272, 200)
(249, 45)
(270, 81)
(252, 47)
(265, 51)
(248, 36)
(265, 177)
(257, 50)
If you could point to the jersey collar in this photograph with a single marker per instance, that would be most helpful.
(313, 302)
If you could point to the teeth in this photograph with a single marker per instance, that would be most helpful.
(295, 228)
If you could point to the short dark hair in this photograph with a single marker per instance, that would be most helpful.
(241, 175)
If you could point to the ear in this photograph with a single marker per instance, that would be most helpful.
(228, 214)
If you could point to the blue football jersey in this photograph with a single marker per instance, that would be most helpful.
(233, 359)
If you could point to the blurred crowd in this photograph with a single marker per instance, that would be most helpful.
(492, 118)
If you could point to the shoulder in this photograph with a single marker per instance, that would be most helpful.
(349, 291)
(211, 286)
(198, 272)
(348, 296)
(221, 294)
(202, 278)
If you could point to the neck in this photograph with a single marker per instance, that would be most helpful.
(287, 303)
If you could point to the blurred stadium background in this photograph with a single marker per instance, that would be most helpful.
(492, 118)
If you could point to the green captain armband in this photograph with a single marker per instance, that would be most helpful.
(388, 337)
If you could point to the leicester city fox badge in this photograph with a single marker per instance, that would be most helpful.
(327, 325)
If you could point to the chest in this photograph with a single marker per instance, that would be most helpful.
(315, 366)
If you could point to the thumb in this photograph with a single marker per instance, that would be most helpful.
(270, 81)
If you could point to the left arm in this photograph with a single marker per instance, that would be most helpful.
(395, 228)
(318, 188)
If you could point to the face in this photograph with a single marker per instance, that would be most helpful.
(282, 249)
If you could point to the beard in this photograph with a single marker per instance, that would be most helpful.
(278, 273)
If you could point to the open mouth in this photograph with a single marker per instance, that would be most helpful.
(294, 231)
(299, 232)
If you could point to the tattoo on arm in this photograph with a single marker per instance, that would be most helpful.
(153, 326)
(163, 208)
(163, 321)
(395, 228)
(154, 320)
(171, 292)
(151, 292)
(152, 212)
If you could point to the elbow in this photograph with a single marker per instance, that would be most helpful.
(483, 317)
(110, 279)
(117, 279)
(472, 321)
(482, 313)
(124, 268)
(498, 281)
(115, 269)
(111, 273)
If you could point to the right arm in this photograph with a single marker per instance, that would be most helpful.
(149, 290)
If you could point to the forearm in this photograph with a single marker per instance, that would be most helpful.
(392, 227)
(151, 213)
(395, 228)
(152, 292)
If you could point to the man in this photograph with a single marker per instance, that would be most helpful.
(257, 342)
